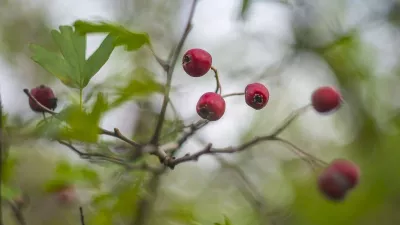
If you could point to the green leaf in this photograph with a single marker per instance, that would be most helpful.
(8, 169)
(142, 84)
(98, 58)
(73, 47)
(123, 37)
(227, 221)
(64, 168)
(54, 64)
(83, 126)
(89, 175)
(56, 184)
(9, 193)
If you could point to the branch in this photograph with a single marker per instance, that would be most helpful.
(171, 162)
(17, 211)
(116, 133)
(98, 156)
(254, 197)
(82, 216)
(170, 72)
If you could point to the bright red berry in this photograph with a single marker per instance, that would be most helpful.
(325, 99)
(340, 177)
(196, 62)
(45, 96)
(256, 95)
(211, 106)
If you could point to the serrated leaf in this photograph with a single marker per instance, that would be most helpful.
(9, 193)
(72, 46)
(142, 84)
(123, 37)
(54, 64)
(98, 58)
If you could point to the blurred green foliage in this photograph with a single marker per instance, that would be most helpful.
(190, 195)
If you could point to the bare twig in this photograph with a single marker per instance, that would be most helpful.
(290, 119)
(219, 87)
(171, 162)
(98, 156)
(254, 197)
(82, 216)
(172, 62)
(18, 215)
(116, 133)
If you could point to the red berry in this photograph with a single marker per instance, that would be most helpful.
(256, 95)
(45, 96)
(340, 177)
(196, 62)
(211, 106)
(325, 99)
(66, 195)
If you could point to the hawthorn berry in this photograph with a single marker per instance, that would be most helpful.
(325, 99)
(45, 96)
(256, 95)
(196, 62)
(337, 179)
(211, 106)
(66, 195)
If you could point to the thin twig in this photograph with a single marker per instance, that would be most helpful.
(290, 119)
(172, 63)
(116, 133)
(254, 197)
(17, 211)
(98, 156)
(233, 94)
(171, 162)
(82, 216)
(219, 87)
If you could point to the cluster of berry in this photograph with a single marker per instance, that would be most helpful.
(337, 179)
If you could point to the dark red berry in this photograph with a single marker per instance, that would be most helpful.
(196, 62)
(211, 106)
(45, 96)
(340, 177)
(325, 99)
(256, 95)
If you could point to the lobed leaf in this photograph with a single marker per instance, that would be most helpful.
(123, 37)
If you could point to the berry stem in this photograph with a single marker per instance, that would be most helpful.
(80, 98)
(219, 88)
(233, 94)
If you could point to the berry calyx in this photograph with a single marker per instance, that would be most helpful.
(45, 96)
(337, 179)
(325, 99)
(256, 95)
(211, 106)
(196, 62)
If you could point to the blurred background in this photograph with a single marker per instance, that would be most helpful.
(291, 46)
